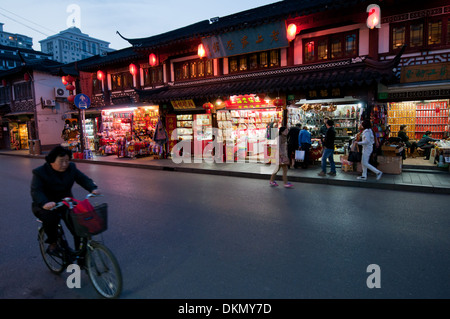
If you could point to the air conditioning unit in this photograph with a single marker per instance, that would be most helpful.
(61, 92)
(46, 103)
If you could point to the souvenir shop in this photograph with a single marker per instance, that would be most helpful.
(18, 135)
(189, 124)
(71, 133)
(419, 117)
(242, 123)
(346, 116)
(129, 131)
(246, 123)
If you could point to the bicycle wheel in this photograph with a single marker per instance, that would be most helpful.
(54, 263)
(104, 271)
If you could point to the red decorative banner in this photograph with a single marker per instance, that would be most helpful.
(171, 125)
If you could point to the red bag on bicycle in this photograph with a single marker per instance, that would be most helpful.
(86, 218)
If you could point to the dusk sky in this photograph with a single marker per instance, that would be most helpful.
(101, 19)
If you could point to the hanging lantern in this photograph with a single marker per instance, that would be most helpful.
(278, 102)
(291, 31)
(63, 80)
(26, 77)
(201, 51)
(133, 69)
(100, 75)
(208, 107)
(71, 98)
(152, 59)
(373, 19)
(4, 82)
(70, 87)
(70, 79)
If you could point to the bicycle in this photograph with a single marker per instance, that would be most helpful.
(99, 262)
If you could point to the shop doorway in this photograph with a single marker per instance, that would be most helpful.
(18, 136)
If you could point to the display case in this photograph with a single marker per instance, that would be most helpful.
(203, 127)
(144, 121)
(185, 126)
(242, 130)
(90, 129)
(346, 120)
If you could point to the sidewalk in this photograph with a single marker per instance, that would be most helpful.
(426, 179)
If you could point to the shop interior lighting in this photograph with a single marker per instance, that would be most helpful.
(125, 109)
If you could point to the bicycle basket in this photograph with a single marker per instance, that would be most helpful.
(91, 222)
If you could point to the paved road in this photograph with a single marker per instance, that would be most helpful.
(180, 235)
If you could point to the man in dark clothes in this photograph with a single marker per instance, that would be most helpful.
(425, 144)
(292, 140)
(328, 150)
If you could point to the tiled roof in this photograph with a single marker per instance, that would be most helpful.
(348, 73)
(249, 18)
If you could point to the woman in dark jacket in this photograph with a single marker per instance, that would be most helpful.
(51, 183)
(405, 139)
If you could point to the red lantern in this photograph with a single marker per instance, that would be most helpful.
(208, 107)
(70, 87)
(201, 51)
(291, 31)
(26, 77)
(70, 79)
(100, 75)
(71, 98)
(63, 80)
(278, 102)
(152, 59)
(133, 69)
(4, 82)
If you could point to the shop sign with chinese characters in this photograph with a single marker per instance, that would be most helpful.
(323, 93)
(426, 72)
(249, 101)
(266, 37)
(183, 104)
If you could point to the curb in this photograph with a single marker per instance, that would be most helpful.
(302, 179)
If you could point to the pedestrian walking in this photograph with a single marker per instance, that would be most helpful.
(328, 150)
(283, 158)
(367, 140)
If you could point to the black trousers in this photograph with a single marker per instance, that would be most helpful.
(50, 220)
(306, 147)
(427, 150)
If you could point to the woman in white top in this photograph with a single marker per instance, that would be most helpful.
(367, 140)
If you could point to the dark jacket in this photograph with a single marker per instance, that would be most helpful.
(329, 138)
(48, 185)
(323, 130)
(292, 136)
(404, 137)
(425, 140)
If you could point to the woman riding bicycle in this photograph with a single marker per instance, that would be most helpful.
(52, 182)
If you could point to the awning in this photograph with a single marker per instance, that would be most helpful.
(349, 73)
(19, 113)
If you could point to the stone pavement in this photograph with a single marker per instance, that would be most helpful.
(428, 179)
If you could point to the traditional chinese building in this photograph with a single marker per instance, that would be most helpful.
(420, 99)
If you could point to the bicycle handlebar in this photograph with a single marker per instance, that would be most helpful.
(70, 202)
